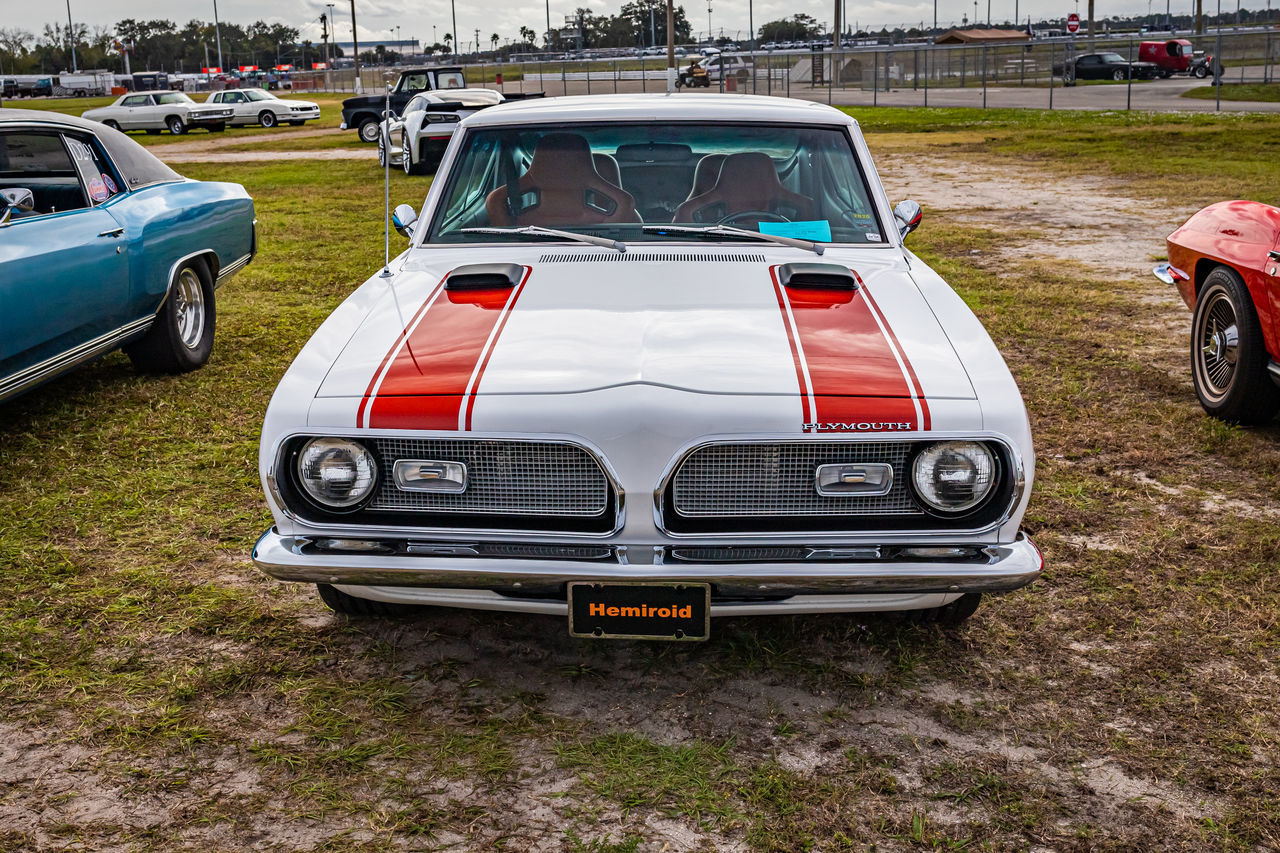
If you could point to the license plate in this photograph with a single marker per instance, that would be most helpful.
(640, 611)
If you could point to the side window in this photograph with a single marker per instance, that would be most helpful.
(95, 175)
(216, 99)
(135, 101)
(233, 98)
(415, 82)
(39, 162)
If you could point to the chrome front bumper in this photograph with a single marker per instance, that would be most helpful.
(998, 568)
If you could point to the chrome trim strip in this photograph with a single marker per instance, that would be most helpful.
(1273, 367)
(485, 534)
(1019, 481)
(1002, 568)
(18, 382)
(232, 268)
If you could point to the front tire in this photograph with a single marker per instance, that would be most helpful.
(181, 338)
(948, 615)
(1200, 72)
(369, 130)
(1117, 75)
(348, 605)
(266, 118)
(1228, 356)
(176, 125)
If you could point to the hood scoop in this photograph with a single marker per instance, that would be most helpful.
(484, 277)
(817, 276)
(651, 257)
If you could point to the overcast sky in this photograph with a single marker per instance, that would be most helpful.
(377, 18)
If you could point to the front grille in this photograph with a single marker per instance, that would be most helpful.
(741, 480)
(525, 478)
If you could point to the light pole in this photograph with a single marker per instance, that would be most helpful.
(709, 22)
(355, 47)
(71, 36)
(453, 11)
(217, 31)
(333, 34)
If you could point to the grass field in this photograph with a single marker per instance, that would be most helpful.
(157, 693)
(1237, 92)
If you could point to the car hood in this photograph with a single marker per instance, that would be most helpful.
(713, 322)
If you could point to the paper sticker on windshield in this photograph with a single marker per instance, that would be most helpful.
(111, 185)
(98, 190)
(873, 238)
(818, 230)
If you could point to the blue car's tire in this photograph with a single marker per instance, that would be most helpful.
(181, 338)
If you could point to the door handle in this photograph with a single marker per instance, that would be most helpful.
(112, 232)
(1274, 255)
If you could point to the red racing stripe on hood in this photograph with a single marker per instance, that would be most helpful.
(850, 368)
(429, 379)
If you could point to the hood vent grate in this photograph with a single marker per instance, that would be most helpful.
(651, 257)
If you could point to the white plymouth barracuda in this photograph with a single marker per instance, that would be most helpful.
(157, 111)
(651, 359)
(260, 107)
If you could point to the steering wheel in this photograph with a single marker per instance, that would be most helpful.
(757, 215)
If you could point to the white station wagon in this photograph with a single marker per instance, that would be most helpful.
(647, 360)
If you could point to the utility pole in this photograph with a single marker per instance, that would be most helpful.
(1090, 20)
(835, 34)
(546, 39)
(217, 31)
(708, 21)
(71, 36)
(1200, 17)
(355, 46)
(751, 22)
(453, 11)
(477, 42)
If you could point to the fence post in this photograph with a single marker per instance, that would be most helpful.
(1217, 78)
(875, 80)
(928, 54)
(1128, 93)
(1053, 52)
(964, 61)
(888, 62)
(832, 74)
(644, 79)
(984, 76)
(615, 76)
(768, 80)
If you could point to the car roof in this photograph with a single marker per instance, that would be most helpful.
(138, 166)
(674, 107)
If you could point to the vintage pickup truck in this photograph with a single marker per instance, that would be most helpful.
(363, 113)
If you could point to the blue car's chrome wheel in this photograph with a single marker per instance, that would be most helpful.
(189, 307)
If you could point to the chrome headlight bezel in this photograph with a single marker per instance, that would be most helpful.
(986, 461)
(363, 462)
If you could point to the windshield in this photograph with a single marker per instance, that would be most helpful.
(614, 179)
(257, 95)
(173, 98)
(450, 80)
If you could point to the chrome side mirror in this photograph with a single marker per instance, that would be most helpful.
(908, 214)
(15, 198)
(403, 218)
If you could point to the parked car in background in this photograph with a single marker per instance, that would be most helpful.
(1170, 57)
(650, 359)
(1225, 262)
(1105, 66)
(256, 106)
(416, 140)
(157, 111)
(728, 66)
(102, 246)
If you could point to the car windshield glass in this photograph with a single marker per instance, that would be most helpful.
(794, 181)
(450, 80)
(256, 95)
(173, 98)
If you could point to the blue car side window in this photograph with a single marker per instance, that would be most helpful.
(41, 163)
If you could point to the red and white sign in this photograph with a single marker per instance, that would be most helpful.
(319, 66)
(1073, 23)
(214, 70)
(244, 68)
(284, 68)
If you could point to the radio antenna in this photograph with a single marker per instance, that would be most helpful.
(384, 140)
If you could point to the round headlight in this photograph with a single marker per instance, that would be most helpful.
(336, 472)
(954, 476)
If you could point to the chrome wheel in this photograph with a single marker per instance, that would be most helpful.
(406, 157)
(382, 154)
(188, 295)
(1218, 342)
(369, 131)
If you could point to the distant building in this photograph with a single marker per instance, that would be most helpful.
(975, 35)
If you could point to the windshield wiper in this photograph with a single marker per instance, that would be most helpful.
(539, 231)
(730, 231)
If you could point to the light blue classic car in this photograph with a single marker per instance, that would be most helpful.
(102, 246)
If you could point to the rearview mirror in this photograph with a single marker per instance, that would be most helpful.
(403, 218)
(908, 214)
(15, 198)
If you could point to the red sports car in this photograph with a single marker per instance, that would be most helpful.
(1225, 261)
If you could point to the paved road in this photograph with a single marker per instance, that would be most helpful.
(1156, 95)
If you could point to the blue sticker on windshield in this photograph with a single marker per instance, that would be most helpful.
(818, 230)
